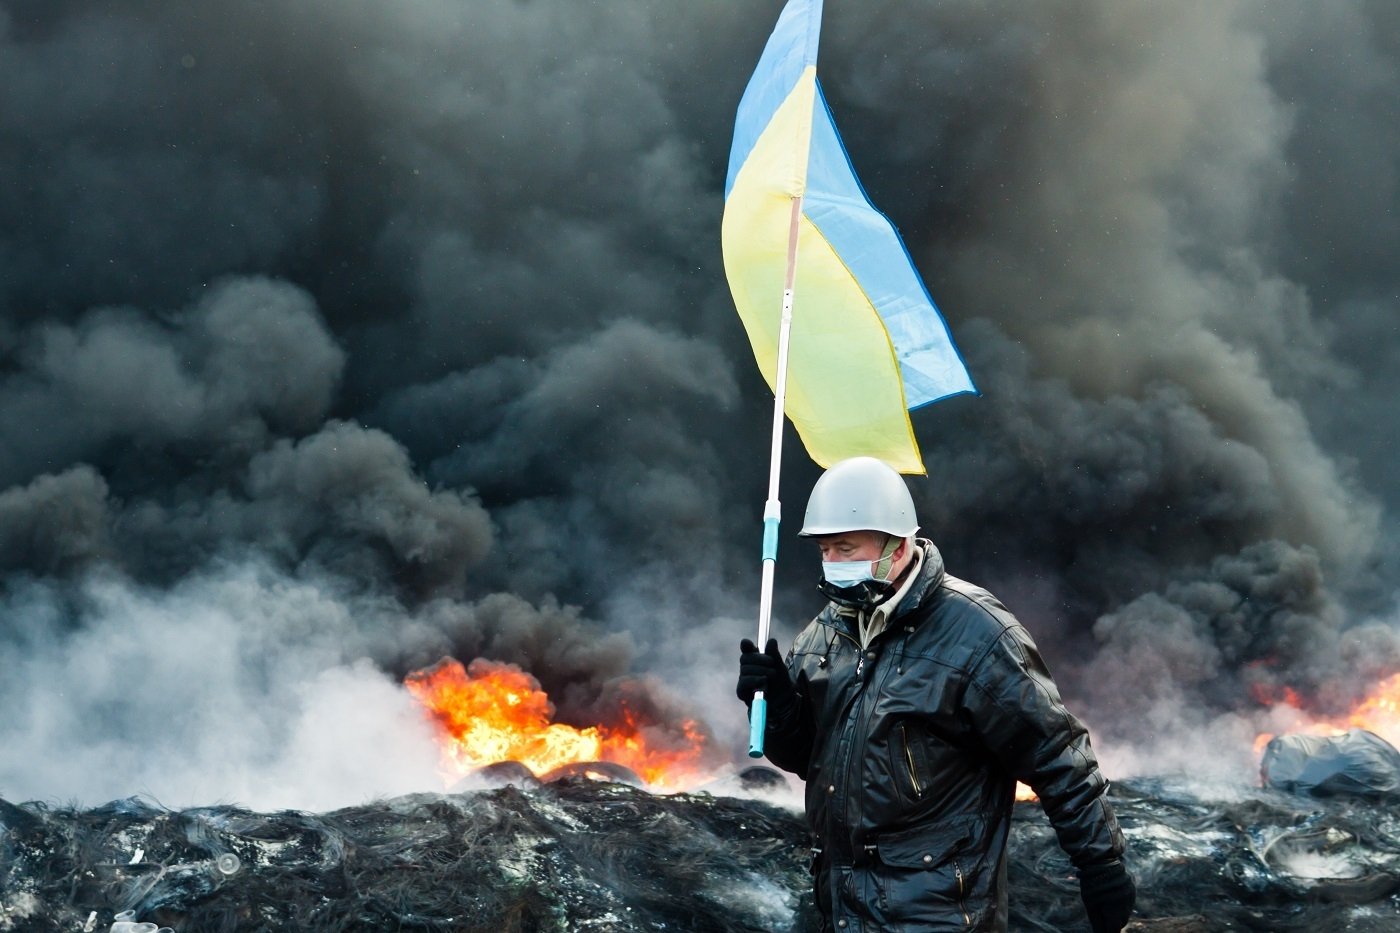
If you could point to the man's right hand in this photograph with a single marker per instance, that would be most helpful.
(764, 671)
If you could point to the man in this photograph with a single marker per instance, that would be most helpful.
(911, 706)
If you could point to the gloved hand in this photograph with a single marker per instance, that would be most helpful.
(767, 672)
(1109, 894)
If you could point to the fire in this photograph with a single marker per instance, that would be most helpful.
(1378, 712)
(1023, 792)
(490, 712)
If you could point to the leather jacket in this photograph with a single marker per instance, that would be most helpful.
(911, 749)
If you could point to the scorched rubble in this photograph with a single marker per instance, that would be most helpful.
(579, 854)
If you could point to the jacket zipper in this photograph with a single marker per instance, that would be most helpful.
(962, 906)
(909, 762)
(841, 773)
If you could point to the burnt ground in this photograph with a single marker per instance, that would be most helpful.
(580, 854)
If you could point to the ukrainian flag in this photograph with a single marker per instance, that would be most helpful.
(867, 342)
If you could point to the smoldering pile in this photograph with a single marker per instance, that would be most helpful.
(580, 854)
(570, 855)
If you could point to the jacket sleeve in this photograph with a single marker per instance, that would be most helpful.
(1016, 708)
(787, 741)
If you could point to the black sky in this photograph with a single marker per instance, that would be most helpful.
(336, 336)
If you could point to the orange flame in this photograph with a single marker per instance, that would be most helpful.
(1378, 712)
(490, 712)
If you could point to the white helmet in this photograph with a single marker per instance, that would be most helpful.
(859, 494)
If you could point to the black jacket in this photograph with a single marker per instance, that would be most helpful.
(911, 751)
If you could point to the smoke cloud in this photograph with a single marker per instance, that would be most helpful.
(336, 337)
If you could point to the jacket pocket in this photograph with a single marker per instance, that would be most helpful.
(921, 873)
(910, 766)
(925, 847)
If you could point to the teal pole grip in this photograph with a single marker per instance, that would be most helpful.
(770, 539)
(758, 721)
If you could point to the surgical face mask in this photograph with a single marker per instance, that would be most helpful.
(846, 572)
(851, 584)
(854, 572)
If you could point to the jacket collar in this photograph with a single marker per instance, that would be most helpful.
(929, 578)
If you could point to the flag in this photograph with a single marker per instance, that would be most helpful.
(867, 342)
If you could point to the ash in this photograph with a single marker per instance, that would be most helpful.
(581, 854)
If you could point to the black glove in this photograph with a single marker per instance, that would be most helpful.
(767, 672)
(1109, 894)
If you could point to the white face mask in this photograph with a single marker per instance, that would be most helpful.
(856, 572)
(846, 572)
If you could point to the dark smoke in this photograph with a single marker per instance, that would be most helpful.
(339, 336)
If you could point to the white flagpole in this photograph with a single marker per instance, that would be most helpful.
(772, 508)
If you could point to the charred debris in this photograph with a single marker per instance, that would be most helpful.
(580, 853)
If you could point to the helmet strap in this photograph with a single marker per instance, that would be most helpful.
(885, 563)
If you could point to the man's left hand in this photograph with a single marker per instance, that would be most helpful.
(1109, 894)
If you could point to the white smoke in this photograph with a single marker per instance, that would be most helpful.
(238, 684)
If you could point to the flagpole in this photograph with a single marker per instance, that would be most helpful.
(772, 508)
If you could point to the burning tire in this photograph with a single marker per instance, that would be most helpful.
(605, 771)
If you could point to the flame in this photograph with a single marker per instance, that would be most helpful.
(1023, 792)
(1378, 712)
(490, 712)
